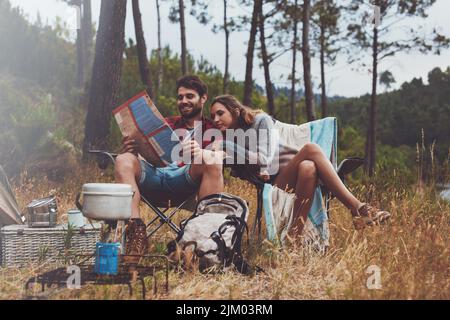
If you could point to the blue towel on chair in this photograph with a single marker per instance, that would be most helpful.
(324, 133)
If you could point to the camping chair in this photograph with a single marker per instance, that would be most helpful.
(322, 132)
(159, 202)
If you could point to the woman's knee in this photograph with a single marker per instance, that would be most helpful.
(311, 148)
(307, 169)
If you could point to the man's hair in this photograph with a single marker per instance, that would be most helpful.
(193, 83)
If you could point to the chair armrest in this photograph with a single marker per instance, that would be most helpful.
(103, 157)
(349, 165)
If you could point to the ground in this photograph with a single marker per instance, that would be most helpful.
(411, 253)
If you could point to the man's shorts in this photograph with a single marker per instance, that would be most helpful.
(173, 179)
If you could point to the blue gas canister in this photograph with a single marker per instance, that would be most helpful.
(107, 258)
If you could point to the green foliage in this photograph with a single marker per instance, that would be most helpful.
(404, 113)
(25, 120)
(387, 79)
(34, 51)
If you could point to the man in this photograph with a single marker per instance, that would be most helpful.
(207, 179)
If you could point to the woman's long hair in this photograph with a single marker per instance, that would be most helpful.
(244, 114)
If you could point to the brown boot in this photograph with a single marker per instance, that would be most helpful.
(136, 240)
(369, 216)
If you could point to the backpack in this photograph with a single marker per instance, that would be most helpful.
(214, 233)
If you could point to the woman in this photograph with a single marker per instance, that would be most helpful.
(299, 170)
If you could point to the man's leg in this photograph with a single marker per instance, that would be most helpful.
(210, 177)
(128, 170)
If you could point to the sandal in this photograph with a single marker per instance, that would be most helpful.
(369, 216)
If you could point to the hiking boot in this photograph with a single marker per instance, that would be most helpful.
(369, 216)
(136, 240)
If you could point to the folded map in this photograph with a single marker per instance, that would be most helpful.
(139, 119)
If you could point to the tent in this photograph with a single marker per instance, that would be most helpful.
(9, 210)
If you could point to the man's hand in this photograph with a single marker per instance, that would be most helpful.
(129, 145)
(192, 148)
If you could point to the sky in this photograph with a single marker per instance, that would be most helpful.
(343, 78)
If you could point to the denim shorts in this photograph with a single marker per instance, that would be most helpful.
(172, 178)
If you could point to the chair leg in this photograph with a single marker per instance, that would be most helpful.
(162, 216)
(258, 218)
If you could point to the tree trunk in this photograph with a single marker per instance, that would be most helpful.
(227, 47)
(79, 47)
(266, 64)
(144, 67)
(88, 36)
(372, 128)
(324, 100)
(80, 59)
(184, 68)
(159, 80)
(106, 74)
(294, 62)
(248, 84)
(309, 96)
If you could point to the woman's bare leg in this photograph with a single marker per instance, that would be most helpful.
(325, 171)
(305, 187)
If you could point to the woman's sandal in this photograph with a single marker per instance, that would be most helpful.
(369, 216)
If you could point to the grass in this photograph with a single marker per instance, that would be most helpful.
(412, 252)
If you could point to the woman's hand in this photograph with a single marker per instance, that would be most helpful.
(129, 145)
(264, 175)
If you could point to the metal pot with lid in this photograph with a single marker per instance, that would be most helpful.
(42, 212)
(106, 201)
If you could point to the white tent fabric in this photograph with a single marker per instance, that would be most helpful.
(9, 210)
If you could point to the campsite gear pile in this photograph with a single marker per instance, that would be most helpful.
(41, 239)
(214, 233)
(21, 245)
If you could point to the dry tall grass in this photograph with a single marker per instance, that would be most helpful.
(412, 252)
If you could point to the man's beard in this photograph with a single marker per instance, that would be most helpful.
(196, 110)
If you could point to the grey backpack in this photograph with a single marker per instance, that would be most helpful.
(214, 232)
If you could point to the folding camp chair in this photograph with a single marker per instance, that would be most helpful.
(160, 203)
(324, 133)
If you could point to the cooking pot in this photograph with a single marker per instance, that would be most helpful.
(42, 212)
(106, 201)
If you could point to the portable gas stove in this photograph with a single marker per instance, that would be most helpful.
(126, 276)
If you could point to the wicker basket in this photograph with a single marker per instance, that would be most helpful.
(20, 245)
